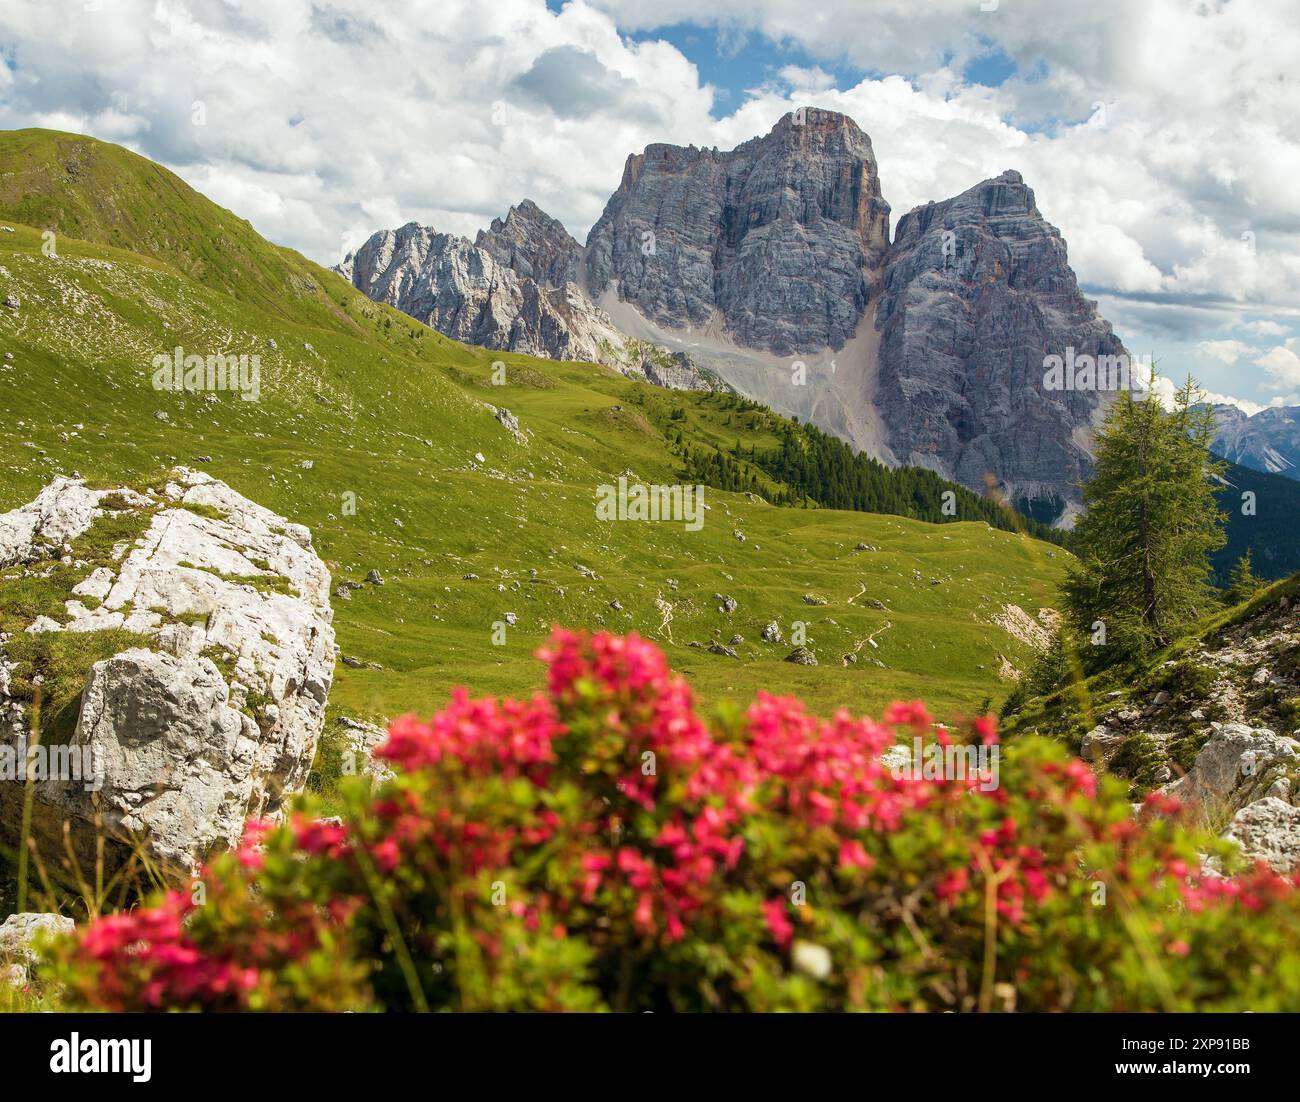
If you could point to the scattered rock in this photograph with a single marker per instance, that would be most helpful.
(18, 934)
(509, 422)
(362, 738)
(801, 656)
(1100, 743)
(811, 959)
(772, 632)
(1268, 830)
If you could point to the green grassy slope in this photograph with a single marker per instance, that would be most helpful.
(392, 413)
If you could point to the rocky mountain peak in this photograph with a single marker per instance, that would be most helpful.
(977, 293)
(1005, 202)
(533, 244)
(775, 238)
(1266, 441)
(512, 289)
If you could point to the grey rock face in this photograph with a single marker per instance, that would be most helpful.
(977, 293)
(776, 237)
(466, 293)
(178, 760)
(1268, 830)
(1236, 767)
(512, 291)
(361, 740)
(1100, 743)
(18, 935)
(533, 245)
(781, 248)
(214, 720)
(62, 511)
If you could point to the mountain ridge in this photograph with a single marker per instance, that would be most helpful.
(776, 254)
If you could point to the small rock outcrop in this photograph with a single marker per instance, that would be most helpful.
(1236, 767)
(210, 712)
(19, 933)
(1217, 728)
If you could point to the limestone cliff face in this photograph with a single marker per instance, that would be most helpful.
(512, 291)
(533, 245)
(977, 292)
(776, 239)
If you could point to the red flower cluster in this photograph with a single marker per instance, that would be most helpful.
(607, 817)
(151, 958)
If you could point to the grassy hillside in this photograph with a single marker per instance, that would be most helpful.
(82, 188)
(360, 404)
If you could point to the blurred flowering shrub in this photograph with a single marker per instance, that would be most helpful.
(602, 846)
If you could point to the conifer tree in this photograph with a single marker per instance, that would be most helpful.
(1143, 571)
(1243, 583)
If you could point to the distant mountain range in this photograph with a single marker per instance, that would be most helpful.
(1267, 441)
(769, 269)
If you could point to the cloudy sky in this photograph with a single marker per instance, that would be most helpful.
(1161, 136)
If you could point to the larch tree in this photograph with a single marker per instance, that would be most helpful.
(1143, 573)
